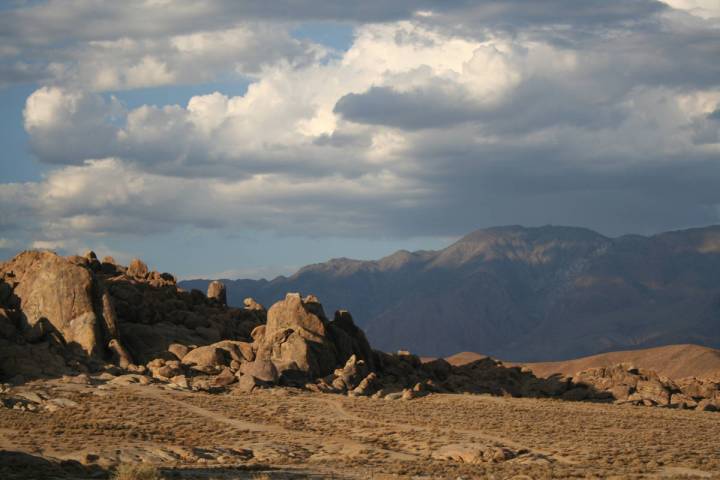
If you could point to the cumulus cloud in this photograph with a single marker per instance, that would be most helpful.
(435, 120)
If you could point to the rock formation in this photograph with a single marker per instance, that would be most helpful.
(296, 339)
(56, 292)
(77, 314)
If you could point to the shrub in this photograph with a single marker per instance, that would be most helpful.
(136, 471)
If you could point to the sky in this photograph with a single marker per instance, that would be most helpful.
(244, 139)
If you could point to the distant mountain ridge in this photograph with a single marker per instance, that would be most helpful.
(523, 294)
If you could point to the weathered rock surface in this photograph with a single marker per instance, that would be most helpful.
(296, 339)
(50, 288)
(60, 314)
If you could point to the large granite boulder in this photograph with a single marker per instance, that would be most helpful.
(52, 289)
(296, 339)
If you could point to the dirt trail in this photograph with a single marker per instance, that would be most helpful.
(325, 440)
(338, 406)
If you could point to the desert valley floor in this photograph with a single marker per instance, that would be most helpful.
(289, 433)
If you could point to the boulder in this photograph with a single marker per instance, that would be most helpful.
(165, 370)
(708, 405)
(225, 378)
(246, 384)
(238, 350)
(680, 400)
(180, 381)
(258, 333)
(130, 379)
(179, 350)
(137, 269)
(216, 291)
(350, 375)
(366, 385)
(207, 358)
(121, 357)
(296, 340)
(654, 391)
(54, 290)
(251, 304)
(699, 388)
(306, 318)
(408, 394)
(260, 369)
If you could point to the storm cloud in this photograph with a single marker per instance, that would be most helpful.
(438, 118)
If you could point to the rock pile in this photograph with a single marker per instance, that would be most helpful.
(59, 315)
(624, 383)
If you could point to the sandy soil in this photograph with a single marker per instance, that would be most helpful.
(295, 434)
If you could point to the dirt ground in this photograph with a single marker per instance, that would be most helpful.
(288, 433)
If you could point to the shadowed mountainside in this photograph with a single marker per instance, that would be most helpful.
(525, 294)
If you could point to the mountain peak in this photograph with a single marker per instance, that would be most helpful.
(532, 234)
(514, 242)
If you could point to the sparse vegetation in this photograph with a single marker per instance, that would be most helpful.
(302, 432)
(136, 471)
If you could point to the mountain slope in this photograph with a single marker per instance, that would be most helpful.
(673, 361)
(524, 294)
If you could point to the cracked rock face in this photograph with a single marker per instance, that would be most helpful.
(295, 339)
(53, 289)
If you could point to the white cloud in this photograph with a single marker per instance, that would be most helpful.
(422, 126)
(707, 9)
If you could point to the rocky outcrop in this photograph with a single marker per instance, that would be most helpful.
(624, 383)
(298, 345)
(54, 291)
(296, 339)
(60, 314)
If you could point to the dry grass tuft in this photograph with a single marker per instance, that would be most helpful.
(136, 471)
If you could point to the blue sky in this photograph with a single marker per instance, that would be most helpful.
(245, 139)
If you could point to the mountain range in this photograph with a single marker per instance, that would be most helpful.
(522, 294)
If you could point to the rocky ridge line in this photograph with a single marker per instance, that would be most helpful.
(79, 316)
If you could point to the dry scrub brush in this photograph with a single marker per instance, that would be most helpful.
(136, 471)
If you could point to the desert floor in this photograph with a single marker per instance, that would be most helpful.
(288, 433)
